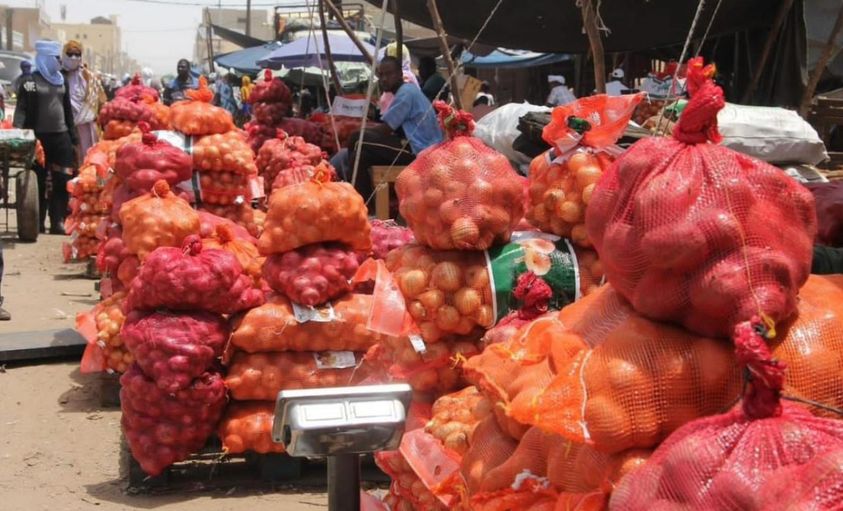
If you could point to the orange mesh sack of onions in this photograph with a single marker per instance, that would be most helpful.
(198, 116)
(561, 180)
(460, 194)
(459, 293)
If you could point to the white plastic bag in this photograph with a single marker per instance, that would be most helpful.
(499, 128)
(775, 135)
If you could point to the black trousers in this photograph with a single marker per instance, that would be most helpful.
(53, 197)
(377, 149)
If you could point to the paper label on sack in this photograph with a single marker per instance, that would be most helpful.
(256, 187)
(349, 107)
(321, 314)
(334, 359)
(418, 343)
(548, 256)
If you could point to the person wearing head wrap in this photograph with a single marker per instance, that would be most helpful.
(44, 106)
(86, 95)
(559, 93)
(25, 72)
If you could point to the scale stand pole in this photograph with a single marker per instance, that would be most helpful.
(344, 482)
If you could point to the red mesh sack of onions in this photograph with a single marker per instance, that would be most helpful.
(270, 113)
(387, 235)
(140, 165)
(224, 152)
(136, 89)
(311, 275)
(282, 153)
(736, 460)
(270, 90)
(163, 428)
(173, 349)
(112, 250)
(257, 134)
(310, 131)
(300, 174)
(190, 278)
(460, 194)
(129, 110)
(239, 212)
(209, 222)
(198, 116)
(692, 232)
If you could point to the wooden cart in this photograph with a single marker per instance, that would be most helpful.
(17, 157)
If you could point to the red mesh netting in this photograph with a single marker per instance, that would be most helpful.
(127, 110)
(460, 194)
(313, 274)
(641, 380)
(697, 234)
(270, 90)
(561, 181)
(140, 165)
(136, 89)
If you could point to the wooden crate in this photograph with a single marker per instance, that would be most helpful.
(383, 180)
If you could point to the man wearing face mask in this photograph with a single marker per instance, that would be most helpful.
(44, 107)
(86, 95)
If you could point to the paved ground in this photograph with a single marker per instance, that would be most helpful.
(59, 448)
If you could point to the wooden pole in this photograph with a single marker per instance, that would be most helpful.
(344, 24)
(784, 8)
(399, 30)
(589, 20)
(817, 73)
(248, 17)
(446, 52)
(209, 36)
(331, 67)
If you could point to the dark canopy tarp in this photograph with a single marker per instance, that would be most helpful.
(556, 25)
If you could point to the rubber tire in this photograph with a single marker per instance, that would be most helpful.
(26, 198)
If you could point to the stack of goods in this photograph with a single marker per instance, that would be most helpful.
(221, 155)
(87, 210)
(131, 105)
(610, 403)
(337, 130)
(271, 102)
(173, 397)
(100, 327)
(284, 161)
(313, 233)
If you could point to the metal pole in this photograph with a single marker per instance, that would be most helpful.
(332, 68)
(344, 24)
(446, 52)
(589, 20)
(344, 482)
(817, 73)
(248, 17)
(399, 30)
(209, 36)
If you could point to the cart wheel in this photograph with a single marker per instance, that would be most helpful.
(26, 198)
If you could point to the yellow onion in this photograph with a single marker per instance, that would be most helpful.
(447, 276)
(465, 233)
(467, 300)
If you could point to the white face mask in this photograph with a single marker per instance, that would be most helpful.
(71, 63)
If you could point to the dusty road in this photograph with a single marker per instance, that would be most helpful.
(59, 448)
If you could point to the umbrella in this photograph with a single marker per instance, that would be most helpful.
(350, 74)
(246, 60)
(308, 51)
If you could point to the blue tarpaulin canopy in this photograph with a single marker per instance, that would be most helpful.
(246, 60)
(503, 58)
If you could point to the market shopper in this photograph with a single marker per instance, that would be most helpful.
(432, 82)
(86, 95)
(409, 126)
(484, 97)
(560, 94)
(4, 314)
(44, 106)
(616, 87)
(175, 91)
(25, 72)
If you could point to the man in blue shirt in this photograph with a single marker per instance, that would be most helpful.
(183, 81)
(409, 127)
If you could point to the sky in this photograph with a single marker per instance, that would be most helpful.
(157, 33)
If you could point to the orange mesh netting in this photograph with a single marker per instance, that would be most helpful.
(456, 415)
(157, 219)
(460, 194)
(225, 237)
(562, 180)
(247, 426)
(738, 460)
(273, 327)
(262, 375)
(198, 116)
(314, 212)
(694, 233)
(436, 368)
(224, 152)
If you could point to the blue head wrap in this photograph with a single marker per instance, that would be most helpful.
(47, 54)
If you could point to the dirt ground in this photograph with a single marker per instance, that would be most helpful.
(59, 448)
